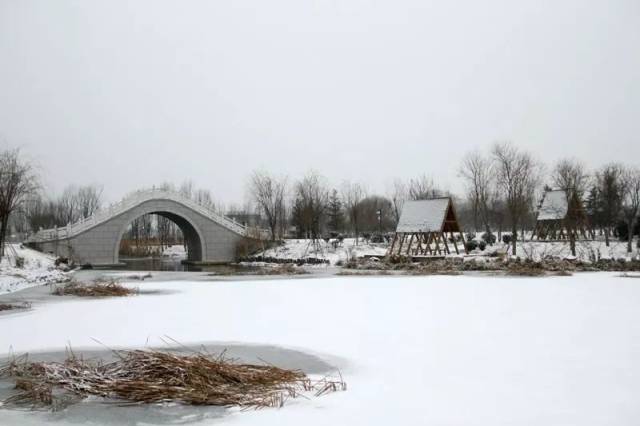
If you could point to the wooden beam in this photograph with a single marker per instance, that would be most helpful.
(446, 246)
(436, 241)
(455, 244)
(409, 245)
(393, 243)
(401, 243)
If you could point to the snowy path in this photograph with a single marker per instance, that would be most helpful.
(436, 350)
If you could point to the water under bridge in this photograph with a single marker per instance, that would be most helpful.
(209, 236)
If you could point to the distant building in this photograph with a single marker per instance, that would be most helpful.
(427, 228)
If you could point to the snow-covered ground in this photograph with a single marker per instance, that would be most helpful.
(585, 250)
(176, 251)
(38, 269)
(536, 250)
(304, 248)
(434, 350)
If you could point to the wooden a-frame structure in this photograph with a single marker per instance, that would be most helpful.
(561, 215)
(427, 228)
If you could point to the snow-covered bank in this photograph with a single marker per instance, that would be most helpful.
(38, 269)
(304, 248)
(454, 350)
(586, 251)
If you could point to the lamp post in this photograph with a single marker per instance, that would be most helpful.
(379, 213)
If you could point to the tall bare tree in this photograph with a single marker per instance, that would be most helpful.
(311, 201)
(570, 175)
(423, 188)
(477, 170)
(269, 194)
(398, 195)
(517, 178)
(17, 182)
(608, 183)
(352, 194)
(630, 191)
(68, 205)
(89, 199)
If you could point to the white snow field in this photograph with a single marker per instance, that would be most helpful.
(305, 248)
(535, 250)
(38, 269)
(434, 350)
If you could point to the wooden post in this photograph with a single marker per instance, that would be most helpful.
(401, 242)
(409, 245)
(455, 244)
(393, 243)
(444, 241)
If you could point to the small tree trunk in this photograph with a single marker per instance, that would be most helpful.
(630, 236)
(606, 236)
(3, 235)
(572, 237)
(514, 239)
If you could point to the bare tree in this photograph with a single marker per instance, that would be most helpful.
(311, 201)
(477, 170)
(516, 176)
(630, 191)
(423, 188)
(398, 195)
(609, 196)
(17, 182)
(269, 194)
(89, 199)
(353, 194)
(68, 206)
(186, 189)
(571, 176)
(204, 198)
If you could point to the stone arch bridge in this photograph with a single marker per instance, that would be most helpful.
(209, 236)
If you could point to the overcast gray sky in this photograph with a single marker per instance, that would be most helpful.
(131, 93)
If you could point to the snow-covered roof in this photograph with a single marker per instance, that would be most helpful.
(554, 205)
(423, 215)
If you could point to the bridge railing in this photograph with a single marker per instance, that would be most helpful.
(129, 202)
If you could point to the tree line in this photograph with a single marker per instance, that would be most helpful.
(503, 189)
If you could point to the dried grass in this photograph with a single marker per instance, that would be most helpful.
(284, 269)
(150, 376)
(95, 289)
(14, 306)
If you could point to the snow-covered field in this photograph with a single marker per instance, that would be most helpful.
(38, 269)
(434, 350)
(585, 250)
(304, 248)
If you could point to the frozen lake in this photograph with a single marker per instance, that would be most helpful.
(434, 350)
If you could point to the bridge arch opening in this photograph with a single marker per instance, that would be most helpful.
(188, 233)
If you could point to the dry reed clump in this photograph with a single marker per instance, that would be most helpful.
(149, 376)
(363, 273)
(525, 269)
(14, 306)
(283, 269)
(94, 289)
